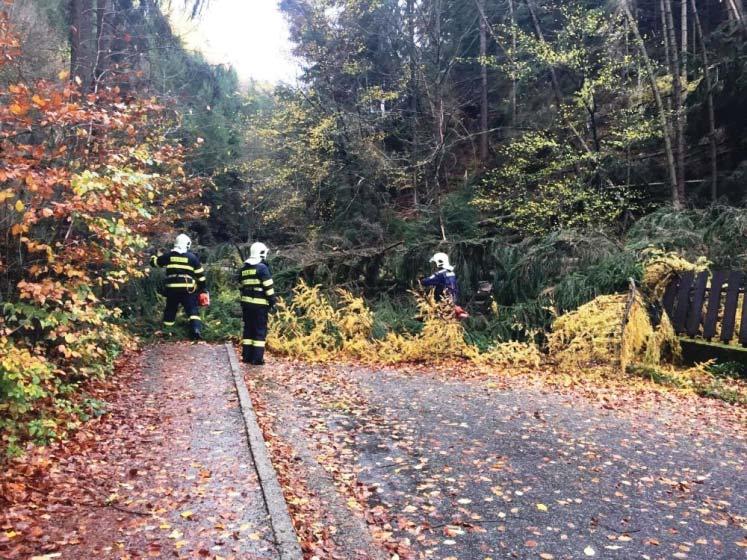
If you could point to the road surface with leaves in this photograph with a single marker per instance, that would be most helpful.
(453, 466)
(377, 464)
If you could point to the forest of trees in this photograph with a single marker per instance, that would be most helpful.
(453, 119)
(552, 115)
(543, 143)
(439, 122)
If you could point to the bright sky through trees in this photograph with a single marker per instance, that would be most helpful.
(251, 35)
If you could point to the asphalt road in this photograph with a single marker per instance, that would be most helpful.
(466, 470)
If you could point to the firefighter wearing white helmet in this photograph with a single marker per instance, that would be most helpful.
(185, 281)
(257, 298)
(444, 283)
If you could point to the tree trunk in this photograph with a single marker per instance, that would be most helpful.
(512, 13)
(736, 13)
(82, 42)
(679, 129)
(439, 112)
(413, 101)
(683, 46)
(104, 38)
(592, 108)
(663, 121)
(483, 87)
(628, 104)
(683, 60)
(711, 110)
(667, 46)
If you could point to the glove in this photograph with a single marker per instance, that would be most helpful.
(460, 313)
(203, 300)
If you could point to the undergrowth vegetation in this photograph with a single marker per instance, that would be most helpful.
(612, 330)
(609, 330)
(312, 327)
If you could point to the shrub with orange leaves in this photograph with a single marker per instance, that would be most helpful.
(84, 181)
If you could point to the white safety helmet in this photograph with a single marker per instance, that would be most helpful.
(257, 253)
(442, 261)
(182, 244)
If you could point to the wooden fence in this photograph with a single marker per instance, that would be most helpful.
(698, 303)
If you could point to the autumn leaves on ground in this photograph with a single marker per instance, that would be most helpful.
(414, 462)
(165, 473)
(446, 463)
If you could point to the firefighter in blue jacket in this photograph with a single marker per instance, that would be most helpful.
(257, 298)
(444, 283)
(185, 281)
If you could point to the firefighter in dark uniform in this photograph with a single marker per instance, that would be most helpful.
(443, 281)
(444, 284)
(257, 298)
(185, 281)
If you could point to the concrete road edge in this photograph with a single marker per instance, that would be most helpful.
(285, 535)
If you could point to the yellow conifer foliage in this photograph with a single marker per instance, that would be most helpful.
(355, 321)
(511, 354)
(442, 338)
(309, 327)
(662, 266)
(616, 330)
(589, 334)
(305, 327)
(611, 330)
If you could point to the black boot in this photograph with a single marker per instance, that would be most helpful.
(247, 354)
(259, 356)
(195, 328)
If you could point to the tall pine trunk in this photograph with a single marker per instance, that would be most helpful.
(483, 86)
(711, 110)
(678, 116)
(662, 114)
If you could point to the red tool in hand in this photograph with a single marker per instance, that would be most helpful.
(460, 313)
(203, 300)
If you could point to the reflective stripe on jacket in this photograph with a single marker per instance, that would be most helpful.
(183, 271)
(257, 287)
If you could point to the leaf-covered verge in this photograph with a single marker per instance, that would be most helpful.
(158, 476)
(85, 179)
